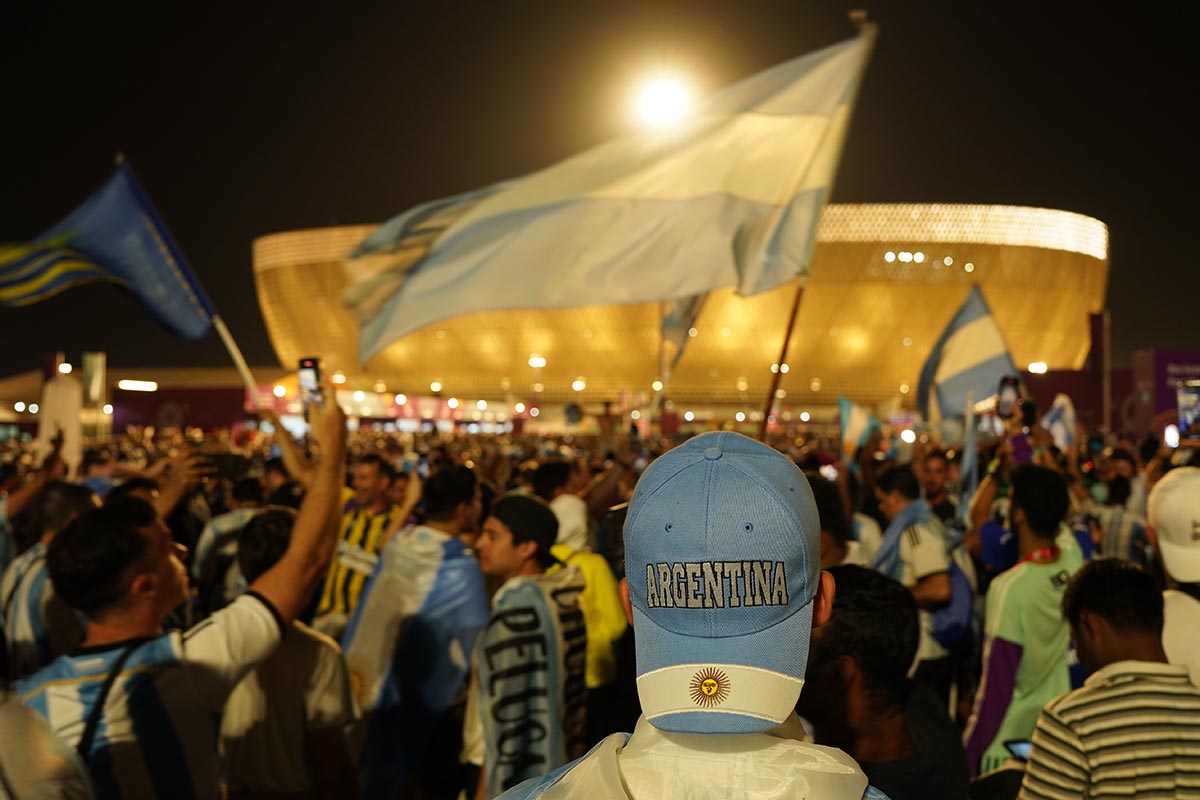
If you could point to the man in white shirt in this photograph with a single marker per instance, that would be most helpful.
(140, 704)
(282, 733)
(1174, 530)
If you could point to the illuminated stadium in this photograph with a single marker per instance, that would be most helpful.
(885, 281)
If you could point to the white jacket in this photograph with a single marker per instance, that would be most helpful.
(654, 765)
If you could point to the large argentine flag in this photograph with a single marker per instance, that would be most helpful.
(970, 356)
(731, 196)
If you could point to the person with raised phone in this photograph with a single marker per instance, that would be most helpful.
(140, 705)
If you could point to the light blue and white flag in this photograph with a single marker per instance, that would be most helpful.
(857, 425)
(730, 196)
(970, 356)
(1059, 421)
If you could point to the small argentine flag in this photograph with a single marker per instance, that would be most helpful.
(970, 356)
(1060, 421)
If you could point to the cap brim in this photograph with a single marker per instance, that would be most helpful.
(1182, 562)
(730, 684)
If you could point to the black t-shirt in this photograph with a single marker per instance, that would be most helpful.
(938, 766)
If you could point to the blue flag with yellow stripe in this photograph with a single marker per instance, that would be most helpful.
(114, 236)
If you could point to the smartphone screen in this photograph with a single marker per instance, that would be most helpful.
(1187, 404)
(310, 382)
(1008, 395)
(1020, 748)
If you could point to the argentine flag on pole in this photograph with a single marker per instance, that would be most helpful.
(970, 356)
(114, 236)
(729, 196)
(857, 425)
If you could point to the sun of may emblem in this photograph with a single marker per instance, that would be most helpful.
(709, 687)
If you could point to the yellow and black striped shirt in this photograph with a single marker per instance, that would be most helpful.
(354, 559)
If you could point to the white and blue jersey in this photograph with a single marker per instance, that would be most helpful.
(157, 735)
(38, 625)
(527, 708)
(407, 648)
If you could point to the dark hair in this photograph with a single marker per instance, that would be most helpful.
(275, 465)
(1121, 454)
(1119, 591)
(529, 519)
(446, 490)
(938, 455)
(548, 477)
(899, 479)
(489, 493)
(125, 489)
(830, 509)
(1148, 448)
(93, 458)
(88, 559)
(874, 621)
(248, 490)
(382, 465)
(1119, 489)
(1042, 494)
(62, 502)
(264, 540)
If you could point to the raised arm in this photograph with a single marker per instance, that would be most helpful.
(293, 457)
(52, 469)
(289, 584)
(182, 476)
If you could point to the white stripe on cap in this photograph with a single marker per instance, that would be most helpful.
(733, 689)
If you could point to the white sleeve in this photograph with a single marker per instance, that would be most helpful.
(474, 748)
(329, 699)
(220, 650)
(925, 550)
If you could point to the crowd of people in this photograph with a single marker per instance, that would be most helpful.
(444, 616)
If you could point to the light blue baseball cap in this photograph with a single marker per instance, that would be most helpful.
(722, 555)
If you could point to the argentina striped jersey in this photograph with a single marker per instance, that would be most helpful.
(38, 625)
(157, 735)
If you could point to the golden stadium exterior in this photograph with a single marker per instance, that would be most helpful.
(885, 281)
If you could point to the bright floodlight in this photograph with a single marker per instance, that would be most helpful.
(1038, 367)
(137, 386)
(908, 436)
(663, 101)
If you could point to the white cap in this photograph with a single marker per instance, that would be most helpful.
(1174, 513)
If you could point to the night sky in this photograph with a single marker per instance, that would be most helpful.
(264, 117)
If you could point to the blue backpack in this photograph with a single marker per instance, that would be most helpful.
(953, 620)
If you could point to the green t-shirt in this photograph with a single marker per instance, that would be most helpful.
(1024, 606)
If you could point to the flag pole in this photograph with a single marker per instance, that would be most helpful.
(238, 360)
(787, 337)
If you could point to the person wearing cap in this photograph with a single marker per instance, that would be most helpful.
(1174, 529)
(723, 589)
(527, 704)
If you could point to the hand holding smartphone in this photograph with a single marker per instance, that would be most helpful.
(310, 383)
